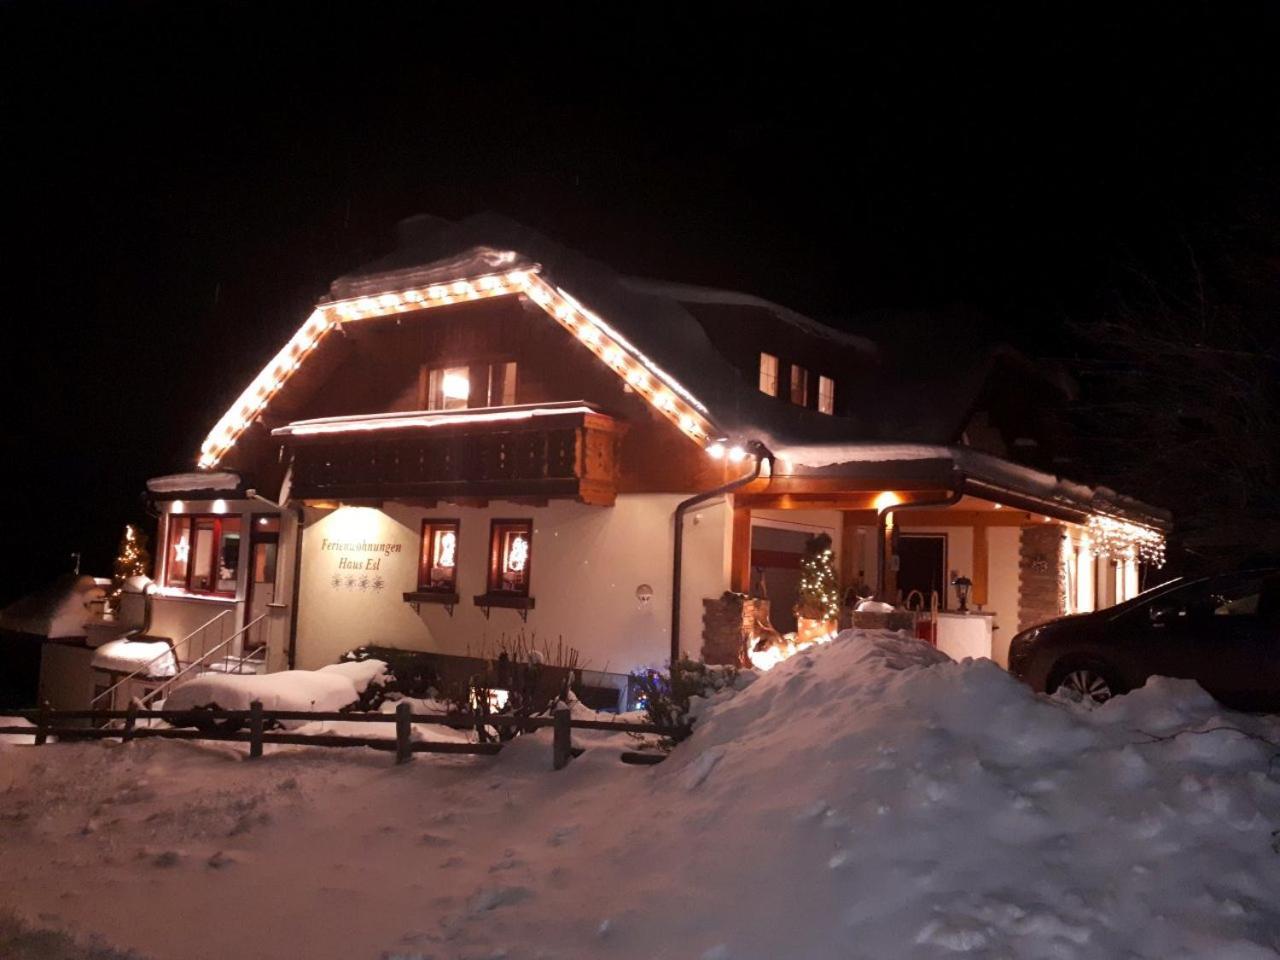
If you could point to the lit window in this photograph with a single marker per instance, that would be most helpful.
(502, 384)
(438, 569)
(799, 386)
(448, 388)
(510, 553)
(826, 395)
(451, 388)
(179, 554)
(203, 554)
(769, 374)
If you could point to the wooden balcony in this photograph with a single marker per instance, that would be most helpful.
(554, 451)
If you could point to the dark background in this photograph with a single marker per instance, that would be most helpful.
(182, 181)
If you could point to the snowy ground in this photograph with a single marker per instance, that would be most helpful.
(864, 800)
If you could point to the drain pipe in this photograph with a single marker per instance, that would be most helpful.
(882, 519)
(759, 453)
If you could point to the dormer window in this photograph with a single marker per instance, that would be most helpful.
(769, 374)
(799, 386)
(826, 395)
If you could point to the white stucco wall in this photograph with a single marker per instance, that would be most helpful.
(810, 521)
(586, 563)
(1002, 587)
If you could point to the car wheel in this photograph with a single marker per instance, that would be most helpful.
(1084, 681)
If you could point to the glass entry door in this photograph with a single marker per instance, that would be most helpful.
(264, 551)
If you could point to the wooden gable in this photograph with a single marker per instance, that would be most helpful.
(381, 366)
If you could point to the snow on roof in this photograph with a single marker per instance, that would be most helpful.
(976, 466)
(691, 293)
(60, 610)
(923, 396)
(127, 656)
(194, 482)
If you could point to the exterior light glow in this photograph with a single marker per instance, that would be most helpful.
(886, 500)
(736, 454)
(716, 450)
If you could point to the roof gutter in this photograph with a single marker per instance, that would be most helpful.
(759, 454)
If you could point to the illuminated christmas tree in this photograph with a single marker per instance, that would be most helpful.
(819, 596)
(132, 559)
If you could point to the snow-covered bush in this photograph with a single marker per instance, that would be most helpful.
(667, 698)
(408, 674)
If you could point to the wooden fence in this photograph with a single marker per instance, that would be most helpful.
(200, 725)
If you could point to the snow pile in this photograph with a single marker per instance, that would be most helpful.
(16, 737)
(126, 656)
(60, 610)
(899, 804)
(865, 799)
(361, 673)
(288, 690)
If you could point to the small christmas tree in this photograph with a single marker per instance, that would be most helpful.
(819, 597)
(132, 559)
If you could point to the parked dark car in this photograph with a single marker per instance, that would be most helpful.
(1221, 631)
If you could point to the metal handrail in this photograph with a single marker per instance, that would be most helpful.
(170, 681)
(172, 651)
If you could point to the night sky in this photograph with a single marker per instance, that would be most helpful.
(182, 180)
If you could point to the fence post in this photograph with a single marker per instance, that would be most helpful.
(129, 721)
(561, 745)
(404, 729)
(42, 724)
(255, 729)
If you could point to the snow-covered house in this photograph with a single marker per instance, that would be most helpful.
(485, 433)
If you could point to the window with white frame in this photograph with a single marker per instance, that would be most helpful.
(826, 395)
(769, 374)
(799, 385)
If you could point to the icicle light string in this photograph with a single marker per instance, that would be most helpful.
(1121, 540)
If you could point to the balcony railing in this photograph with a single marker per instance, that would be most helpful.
(554, 451)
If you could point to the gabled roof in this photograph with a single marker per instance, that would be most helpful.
(649, 333)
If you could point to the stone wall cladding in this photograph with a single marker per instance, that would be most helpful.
(1042, 580)
(728, 624)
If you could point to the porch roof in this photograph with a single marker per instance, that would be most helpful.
(970, 471)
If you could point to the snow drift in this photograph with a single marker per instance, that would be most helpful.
(288, 690)
(127, 656)
(865, 799)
